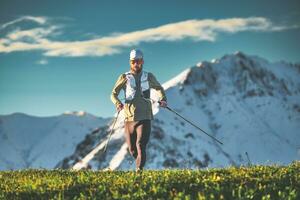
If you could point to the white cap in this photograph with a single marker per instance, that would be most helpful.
(136, 54)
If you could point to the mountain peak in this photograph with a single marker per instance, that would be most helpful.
(76, 113)
(179, 79)
(249, 75)
(240, 53)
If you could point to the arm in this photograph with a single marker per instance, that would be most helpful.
(116, 90)
(153, 83)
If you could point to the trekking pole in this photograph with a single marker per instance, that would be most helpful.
(249, 162)
(83, 163)
(105, 147)
(168, 108)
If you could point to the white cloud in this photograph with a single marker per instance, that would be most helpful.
(42, 62)
(34, 33)
(197, 30)
(39, 20)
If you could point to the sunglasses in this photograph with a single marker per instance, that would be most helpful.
(138, 61)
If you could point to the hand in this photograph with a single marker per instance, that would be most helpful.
(163, 104)
(120, 107)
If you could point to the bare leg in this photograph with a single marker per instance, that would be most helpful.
(143, 129)
(130, 136)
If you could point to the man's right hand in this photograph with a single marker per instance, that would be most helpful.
(163, 104)
(120, 107)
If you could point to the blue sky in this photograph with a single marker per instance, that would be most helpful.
(58, 56)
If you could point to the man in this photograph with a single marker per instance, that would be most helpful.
(137, 109)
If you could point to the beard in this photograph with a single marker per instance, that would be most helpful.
(137, 70)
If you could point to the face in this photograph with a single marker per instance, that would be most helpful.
(136, 66)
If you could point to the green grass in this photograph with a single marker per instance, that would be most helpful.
(256, 182)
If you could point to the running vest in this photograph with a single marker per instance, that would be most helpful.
(131, 85)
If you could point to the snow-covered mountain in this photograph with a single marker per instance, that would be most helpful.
(41, 142)
(247, 102)
(250, 104)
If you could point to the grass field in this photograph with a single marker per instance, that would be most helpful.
(255, 182)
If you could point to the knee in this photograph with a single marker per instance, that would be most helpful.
(139, 143)
(141, 146)
(131, 150)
